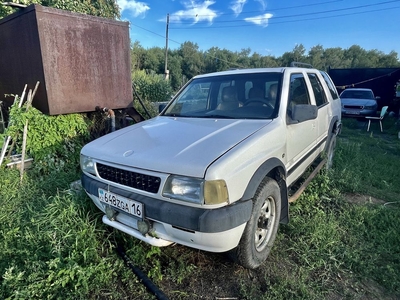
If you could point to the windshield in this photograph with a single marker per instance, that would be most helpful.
(357, 94)
(237, 96)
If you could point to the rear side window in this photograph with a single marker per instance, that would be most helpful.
(330, 85)
(320, 97)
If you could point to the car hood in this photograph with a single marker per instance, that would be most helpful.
(184, 146)
(358, 102)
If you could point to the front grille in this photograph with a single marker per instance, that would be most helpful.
(132, 179)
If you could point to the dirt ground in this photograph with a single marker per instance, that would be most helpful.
(218, 278)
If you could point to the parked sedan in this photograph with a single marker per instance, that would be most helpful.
(358, 102)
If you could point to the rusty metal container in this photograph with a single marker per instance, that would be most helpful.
(80, 61)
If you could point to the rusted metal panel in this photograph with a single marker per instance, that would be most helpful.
(81, 61)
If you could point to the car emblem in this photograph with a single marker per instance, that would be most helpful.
(127, 153)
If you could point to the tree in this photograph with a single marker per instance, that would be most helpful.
(137, 56)
(334, 58)
(101, 8)
(154, 60)
(297, 54)
(175, 70)
(270, 62)
(316, 57)
(191, 59)
(390, 60)
(243, 58)
(357, 57)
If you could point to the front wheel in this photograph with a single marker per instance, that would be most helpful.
(260, 231)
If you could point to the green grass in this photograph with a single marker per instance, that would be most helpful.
(53, 244)
(368, 161)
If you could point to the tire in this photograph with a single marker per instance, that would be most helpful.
(257, 241)
(330, 152)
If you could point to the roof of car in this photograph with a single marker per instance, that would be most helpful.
(252, 71)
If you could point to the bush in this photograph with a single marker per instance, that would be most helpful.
(53, 141)
(153, 88)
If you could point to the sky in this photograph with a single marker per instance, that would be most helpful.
(266, 27)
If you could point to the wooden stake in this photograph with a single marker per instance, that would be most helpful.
(22, 97)
(4, 148)
(21, 171)
(8, 138)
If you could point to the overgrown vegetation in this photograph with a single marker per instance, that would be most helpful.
(342, 240)
(105, 8)
(152, 89)
(53, 141)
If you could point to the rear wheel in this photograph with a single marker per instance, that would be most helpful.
(260, 232)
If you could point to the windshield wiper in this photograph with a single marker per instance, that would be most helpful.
(216, 116)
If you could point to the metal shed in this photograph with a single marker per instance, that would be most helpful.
(80, 61)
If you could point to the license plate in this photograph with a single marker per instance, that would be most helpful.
(127, 205)
(349, 112)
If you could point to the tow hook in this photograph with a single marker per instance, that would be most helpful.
(111, 213)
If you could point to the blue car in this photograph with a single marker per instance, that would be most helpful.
(357, 102)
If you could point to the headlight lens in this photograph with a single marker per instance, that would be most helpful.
(196, 190)
(369, 107)
(184, 188)
(87, 164)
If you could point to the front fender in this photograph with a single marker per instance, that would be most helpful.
(275, 169)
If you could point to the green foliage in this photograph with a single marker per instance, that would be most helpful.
(151, 87)
(101, 8)
(53, 141)
(52, 245)
(188, 61)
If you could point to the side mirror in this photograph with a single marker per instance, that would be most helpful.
(303, 112)
(377, 98)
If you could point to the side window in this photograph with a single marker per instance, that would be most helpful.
(319, 94)
(330, 85)
(298, 93)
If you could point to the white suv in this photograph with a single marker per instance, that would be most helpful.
(213, 170)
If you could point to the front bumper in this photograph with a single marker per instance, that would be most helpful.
(215, 230)
(358, 112)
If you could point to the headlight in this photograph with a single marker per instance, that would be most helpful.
(370, 107)
(195, 190)
(87, 164)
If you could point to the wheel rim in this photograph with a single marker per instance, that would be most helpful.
(265, 223)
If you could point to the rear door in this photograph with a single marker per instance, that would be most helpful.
(324, 110)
